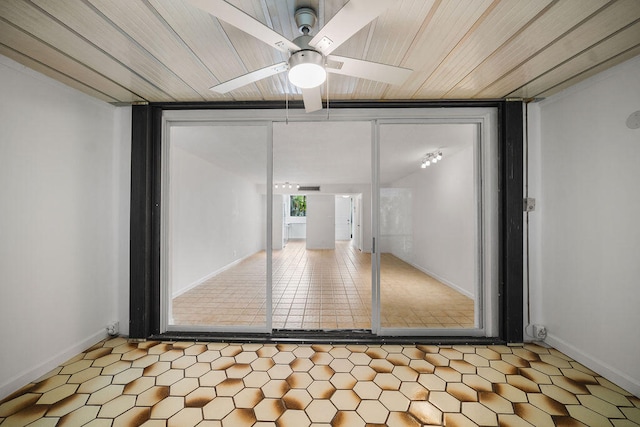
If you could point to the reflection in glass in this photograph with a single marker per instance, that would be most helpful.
(428, 226)
(217, 229)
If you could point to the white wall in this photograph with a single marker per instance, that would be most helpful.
(585, 239)
(64, 189)
(429, 219)
(217, 219)
(321, 224)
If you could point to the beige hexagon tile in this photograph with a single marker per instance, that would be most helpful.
(239, 417)
(269, 409)
(444, 401)
(57, 394)
(238, 370)
(116, 368)
(394, 401)
(343, 380)
(348, 419)
(367, 390)
(533, 415)
(345, 400)
(503, 367)
(462, 392)
(360, 359)
(248, 398)
(297, 399)
(426, 413)
(372, 411)
(432, 382)
(218, 408)
(170, 377)
(321, 372)
(512, 420)
(102, 422)
(463, 367)
(117, 406)
(300, 364)
(321, 389)
(569, 385)
(78, 417)
(479, 414)
(510, 393)
(458, 420)
(294, 418)
(67, 405)
(321, 358)
(275, 388)
(132, 417)
(632, 414)
(321, 411)
(50, 383)
(229, 387)
(208, 356)
(118, 382)
(187, 417)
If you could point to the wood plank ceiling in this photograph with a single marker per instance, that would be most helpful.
(127, 51)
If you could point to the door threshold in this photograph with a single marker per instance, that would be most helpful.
(322, 336)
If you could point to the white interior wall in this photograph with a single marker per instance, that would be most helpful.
(321, 224)
(64, 186)
(217, 219)
(585, 239)
(429, 220)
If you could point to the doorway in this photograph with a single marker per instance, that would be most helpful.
(344, 220)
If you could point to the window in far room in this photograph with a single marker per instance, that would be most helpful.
(298, 206)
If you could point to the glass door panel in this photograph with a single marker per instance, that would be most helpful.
(321, 254)
(428, 226)
(216, 229)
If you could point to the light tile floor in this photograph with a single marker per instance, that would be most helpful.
(124, 383)
(323, 289)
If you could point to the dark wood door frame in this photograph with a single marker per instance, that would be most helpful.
(146, 202)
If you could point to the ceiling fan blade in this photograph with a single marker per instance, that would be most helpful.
(251, 77)
(236, 17)
(312, 99)
(348, 21)
(368, 70)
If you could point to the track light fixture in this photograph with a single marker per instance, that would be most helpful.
(429, 158)
(286, 185)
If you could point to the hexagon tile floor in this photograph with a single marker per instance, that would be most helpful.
(123, 383)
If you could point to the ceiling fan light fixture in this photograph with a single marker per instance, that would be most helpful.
(306, 69)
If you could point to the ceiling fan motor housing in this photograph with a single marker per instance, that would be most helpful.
(305, 19)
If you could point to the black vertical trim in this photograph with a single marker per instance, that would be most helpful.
(511, 223)
(144, 258)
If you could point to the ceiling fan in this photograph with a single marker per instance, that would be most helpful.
(309, 56)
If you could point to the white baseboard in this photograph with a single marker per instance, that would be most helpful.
(632, 385)
(34, 373)
(444, 281)
(201, 280)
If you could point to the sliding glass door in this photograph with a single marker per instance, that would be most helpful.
(430, 228)
(216, 231)
(321, 274)
(384, 225)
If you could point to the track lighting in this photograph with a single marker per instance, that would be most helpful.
(429, 158)
(285, 185)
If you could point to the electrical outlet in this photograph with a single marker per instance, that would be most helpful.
(113, 328)
(539, 332)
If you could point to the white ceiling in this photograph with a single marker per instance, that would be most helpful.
(320, 153)
(125, 51)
